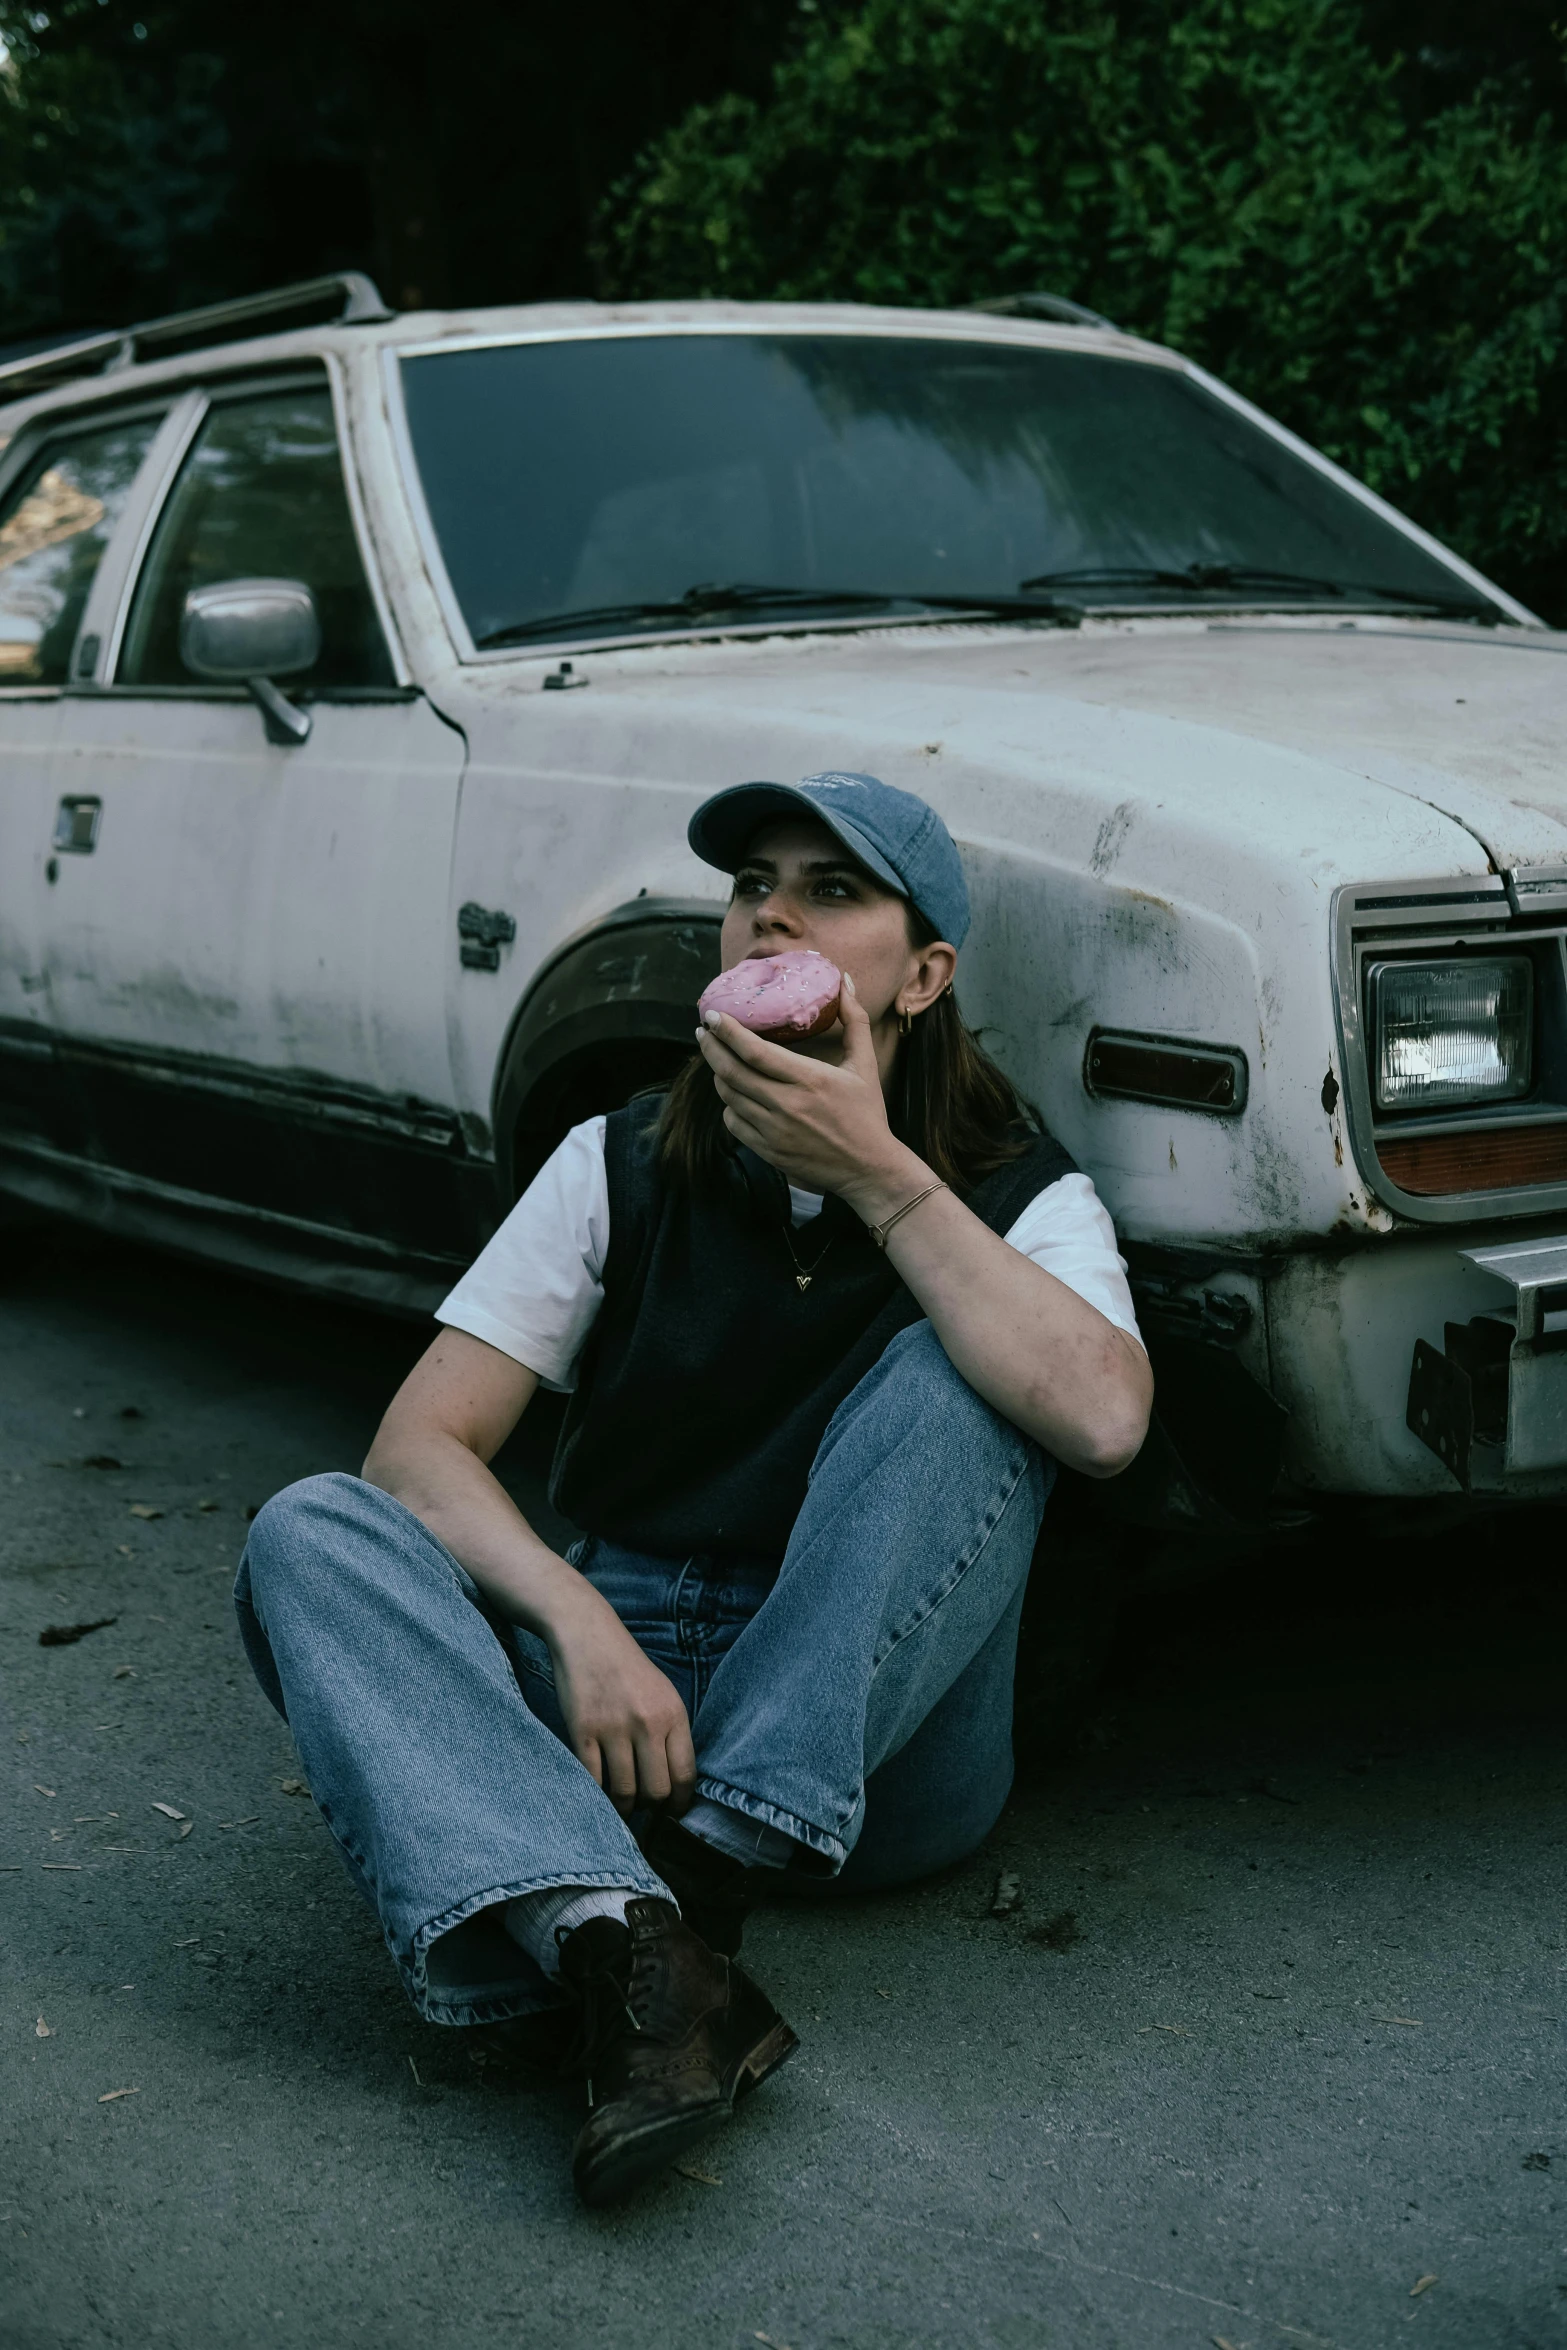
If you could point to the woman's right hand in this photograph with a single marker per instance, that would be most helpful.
(623, 1716)
(452, 1413)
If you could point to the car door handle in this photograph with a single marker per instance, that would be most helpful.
(76, 825)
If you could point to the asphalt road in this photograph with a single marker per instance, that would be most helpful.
(1274, 2035)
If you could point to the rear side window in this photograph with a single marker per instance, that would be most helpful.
(260, 496)
(55, 522)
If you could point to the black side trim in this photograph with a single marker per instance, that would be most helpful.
(318, 695)
(385, 1172)
(287, 1249)
(302, 1095)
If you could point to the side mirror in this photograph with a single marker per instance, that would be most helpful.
(250, 631)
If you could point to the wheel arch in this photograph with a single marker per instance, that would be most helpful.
(616, 1000)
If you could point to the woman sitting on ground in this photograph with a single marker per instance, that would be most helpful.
(828, 1313)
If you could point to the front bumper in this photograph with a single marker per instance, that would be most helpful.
(1492, 1402)
(1362, 1342)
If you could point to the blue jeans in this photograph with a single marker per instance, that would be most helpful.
(859, 1697)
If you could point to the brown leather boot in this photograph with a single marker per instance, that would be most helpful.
(673, 2038)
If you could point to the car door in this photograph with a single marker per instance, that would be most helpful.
(64, 492)
(247, 961)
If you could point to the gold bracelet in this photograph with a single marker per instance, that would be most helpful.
(879, 1232)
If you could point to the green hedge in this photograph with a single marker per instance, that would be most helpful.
(1239, 178)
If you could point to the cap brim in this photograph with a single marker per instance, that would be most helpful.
(723, 827)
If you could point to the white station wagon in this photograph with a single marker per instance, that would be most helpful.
(358, 675)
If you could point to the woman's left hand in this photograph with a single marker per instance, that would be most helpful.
(822, 1124)
(1044, 1357)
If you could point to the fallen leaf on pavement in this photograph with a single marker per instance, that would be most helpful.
(1008, 1895)
(189, 1824)
(168, 1811)
(144, 1509)
(1179, 2030)
(703, 2178)
(123, 1673)
(768, 2339)
(61, 1864)
(189, 1942)
(209, 1505)
(293, 1787)
(110, 2095)
(40, 1789)
(1421, 2283)
(43, 2031)
(1412, 2020)
(61, 1635)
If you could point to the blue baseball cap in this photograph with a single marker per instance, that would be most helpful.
(891, 833)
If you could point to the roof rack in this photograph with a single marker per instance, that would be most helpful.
(346, 298)
(1055, 307)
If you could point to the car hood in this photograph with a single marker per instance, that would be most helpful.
(1471, 722)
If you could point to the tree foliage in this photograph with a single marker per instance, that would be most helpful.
(1371, 246)
(1353, 210)
(159, 153)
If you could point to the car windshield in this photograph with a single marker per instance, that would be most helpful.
(616, 486)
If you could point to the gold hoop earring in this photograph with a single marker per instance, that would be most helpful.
(905, 1021)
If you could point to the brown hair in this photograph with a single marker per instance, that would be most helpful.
(950, 1102)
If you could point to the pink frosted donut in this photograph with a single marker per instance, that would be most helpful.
(777, 995)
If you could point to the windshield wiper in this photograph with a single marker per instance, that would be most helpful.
(1200, 578)
(713, 601)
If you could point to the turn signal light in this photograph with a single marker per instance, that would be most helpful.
(1500, 1159)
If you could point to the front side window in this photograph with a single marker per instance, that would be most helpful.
(613, 485)
(55, 522)
(260, 496)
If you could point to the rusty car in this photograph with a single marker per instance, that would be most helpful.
(359, 671)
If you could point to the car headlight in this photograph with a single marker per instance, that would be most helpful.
(1450, 1033)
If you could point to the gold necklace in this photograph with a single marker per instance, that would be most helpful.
(804, 1275)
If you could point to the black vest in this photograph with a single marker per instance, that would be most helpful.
(710, 1375)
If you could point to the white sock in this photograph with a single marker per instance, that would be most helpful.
(736, 1833)
(540, 1921)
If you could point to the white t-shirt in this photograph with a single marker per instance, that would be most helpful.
(536, 1289)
